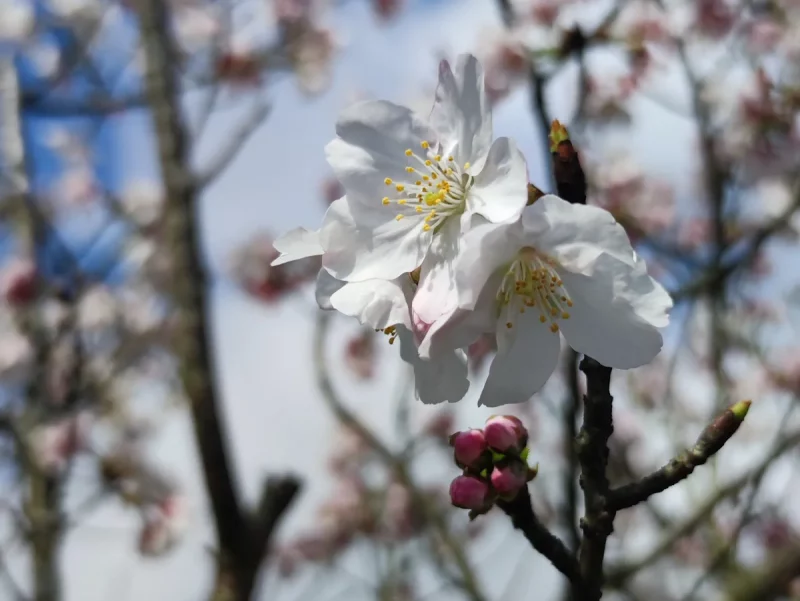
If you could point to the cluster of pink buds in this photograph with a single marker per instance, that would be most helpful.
(494, 461)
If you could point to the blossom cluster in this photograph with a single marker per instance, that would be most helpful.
(494, 461)
(437, 243)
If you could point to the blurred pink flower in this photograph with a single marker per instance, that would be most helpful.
(18, 281)
(714, 18)
(360, 355)
(53, 445)
(164, 525)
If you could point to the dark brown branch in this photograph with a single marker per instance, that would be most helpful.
(570, 420)
(520, 510)
(711, 440)
(241, 542)
(592, 447)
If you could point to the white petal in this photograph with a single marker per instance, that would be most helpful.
(461, 114)
(360, 245)
(616, 313)
(461, 327)
(436, 292)
(527, 354)
(327, 285)
(376, 303)
(295, 244)
(485, 249)
(372, 139)
(500, 191)
(575, 235)
(437, 380)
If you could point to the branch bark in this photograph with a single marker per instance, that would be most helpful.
(592, 445)
(524, 519)
(242, 538)
(710, 441)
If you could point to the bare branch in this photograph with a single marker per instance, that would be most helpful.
(711, 440)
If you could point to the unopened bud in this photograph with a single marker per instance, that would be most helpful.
(509, 479)
(505, 434)
(469, 447)
(469, 492)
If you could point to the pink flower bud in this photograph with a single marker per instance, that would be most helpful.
(509, 480)
(505, 433)
(468, 447)
(468, 492)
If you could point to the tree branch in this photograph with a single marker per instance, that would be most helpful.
(241, 551)
(592, 447)
(711, 440)
(520, 510)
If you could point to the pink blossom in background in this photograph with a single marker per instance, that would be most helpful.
(360, 355)
(18, 281)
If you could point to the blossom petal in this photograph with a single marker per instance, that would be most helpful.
(326, 286)
(376, 303)
(459, 328)
(485, 249)
(295, 244)
(436, 292)
(372, 139)
(616, 313)
(461, 114)
(527, 354)
(500, 191)
(360, 245)
(437, 380)
(575, 235)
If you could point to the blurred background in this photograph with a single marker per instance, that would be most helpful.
(178, 420)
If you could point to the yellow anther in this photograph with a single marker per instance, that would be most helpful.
(434, 176)
(409, 170)
(565, 315)
(509, 325)
(450, 158)
(402, 201)
(542, 318)
(419, 209)
(426, 228)
(554, 327)
(391, 340)
(466, 166)
(398, 218)
(418, 183)
(569, 303)
(399, 187)
(386, 200)
(428, 163)
(426, 178)
(389, 330)
(438, 157)
(425, 144)
(388, 181)
(409, 152)
(553, 312)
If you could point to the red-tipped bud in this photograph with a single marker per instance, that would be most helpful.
(505, 433)
(469, 447)
(509, 479)
(469, 492)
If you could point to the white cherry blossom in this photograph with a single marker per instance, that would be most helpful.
(412, 182)
(561, 268)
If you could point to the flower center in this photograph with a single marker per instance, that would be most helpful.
(436, 188)
(531, 282)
